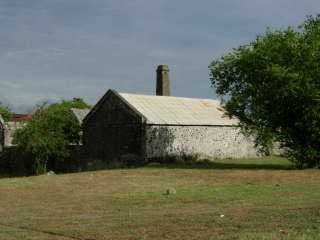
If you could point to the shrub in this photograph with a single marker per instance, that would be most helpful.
(48, 136)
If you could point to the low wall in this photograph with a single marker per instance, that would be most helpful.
(205, 141)
(14, 163)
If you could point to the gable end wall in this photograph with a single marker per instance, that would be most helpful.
(113, 131)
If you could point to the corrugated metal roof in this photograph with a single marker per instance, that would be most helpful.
(163, 110)
(80, 113)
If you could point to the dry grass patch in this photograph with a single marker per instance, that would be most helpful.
(132, 204)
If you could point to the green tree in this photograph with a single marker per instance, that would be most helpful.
(47, 138)
(5, 112)
(273, 86)
(75, 103)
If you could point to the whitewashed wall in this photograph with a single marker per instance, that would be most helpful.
(213, 141)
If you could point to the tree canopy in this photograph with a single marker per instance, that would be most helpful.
(74, 103)
(48, 136)
(273, 86)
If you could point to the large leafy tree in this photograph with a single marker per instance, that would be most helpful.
(273, 86)
(46, 139)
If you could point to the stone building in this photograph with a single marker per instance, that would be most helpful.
(148, 127)
(16, 122)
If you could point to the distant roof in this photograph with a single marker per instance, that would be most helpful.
(21, 117)
(163, 110)
(80, 113)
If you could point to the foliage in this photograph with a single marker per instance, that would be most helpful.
(5, 112)
(47, 137)
(75, 103)
(273, 86)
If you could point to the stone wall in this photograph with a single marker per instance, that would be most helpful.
(206, 141)
(13, 162)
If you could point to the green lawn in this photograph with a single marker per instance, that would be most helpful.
(229, 199)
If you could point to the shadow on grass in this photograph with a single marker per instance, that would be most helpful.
(43, 232)
(259, 165)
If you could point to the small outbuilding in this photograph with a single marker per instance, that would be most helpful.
(123, 125)
(16, 122)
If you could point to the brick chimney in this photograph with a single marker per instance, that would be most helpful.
(163, 81)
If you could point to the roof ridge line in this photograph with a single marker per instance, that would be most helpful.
(147, 95)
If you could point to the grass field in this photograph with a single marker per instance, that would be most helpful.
(243, 199)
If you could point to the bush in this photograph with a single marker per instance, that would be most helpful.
(48, 136)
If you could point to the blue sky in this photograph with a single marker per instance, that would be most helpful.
(59, 49)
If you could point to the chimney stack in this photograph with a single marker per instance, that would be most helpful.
(163, 81)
